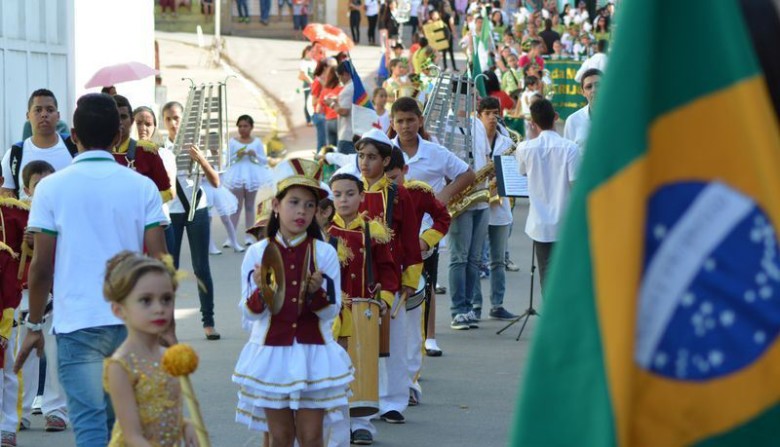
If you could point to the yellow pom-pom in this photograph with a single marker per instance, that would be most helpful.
(180, 360)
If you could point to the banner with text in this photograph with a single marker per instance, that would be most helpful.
(567, 98)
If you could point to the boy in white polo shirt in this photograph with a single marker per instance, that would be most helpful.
(89, 212)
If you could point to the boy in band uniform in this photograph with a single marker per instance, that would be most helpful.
(393, 204)
(434, 223)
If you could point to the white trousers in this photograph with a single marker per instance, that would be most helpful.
(414, 345)
(9, 386)
(337, 434)
(54, 401)
(394, 382)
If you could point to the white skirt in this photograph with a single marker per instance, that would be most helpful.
(295, 377)
(248, 175)
(222, 202)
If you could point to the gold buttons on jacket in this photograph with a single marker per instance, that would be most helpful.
(294, 325)
(292, 267)
(352, 276)
(295, 300)
(295, 283)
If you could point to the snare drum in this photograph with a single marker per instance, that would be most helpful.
(364, 352)
(414, 301)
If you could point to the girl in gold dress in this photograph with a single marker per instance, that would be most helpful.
(147, 401)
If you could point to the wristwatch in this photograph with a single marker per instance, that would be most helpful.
(35, 327)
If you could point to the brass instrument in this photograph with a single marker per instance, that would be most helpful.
(204, 124)
(476, 193)
(272, 273)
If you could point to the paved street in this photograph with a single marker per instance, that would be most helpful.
(469, 394)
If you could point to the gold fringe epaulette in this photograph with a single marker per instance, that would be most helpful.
(9, 250)
(416, 184)
(148, 146)
(14, 203)
(379, 231)
(344, 252)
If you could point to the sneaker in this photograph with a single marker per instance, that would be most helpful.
(484, 274)
(55, 423)
(36, 405)
(362, 437)
(393, 417)
(473, 319)
(511, 266)
(237, 248)
(499, 313)
(226, 244)
(249, 241)
(8, 439)
(440, 290)
(460, 322)
(432, 348)
(413, 399)
(214, 252)
(24, 424)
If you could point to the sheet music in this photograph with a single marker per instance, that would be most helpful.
(509, 181)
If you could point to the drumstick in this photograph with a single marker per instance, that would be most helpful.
(402, 302)
(25, 253)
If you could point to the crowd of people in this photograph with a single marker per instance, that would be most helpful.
(372, 231)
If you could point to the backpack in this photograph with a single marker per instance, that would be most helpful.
(16, 158)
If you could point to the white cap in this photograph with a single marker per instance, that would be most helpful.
(377, 135)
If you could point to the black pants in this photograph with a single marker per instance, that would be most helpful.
(372, 29)
(414, 23)
(452, 54)
(543, 254)
(354, 25)
(431, 272)
(198, 234)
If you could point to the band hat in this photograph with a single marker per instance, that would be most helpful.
(376, 135)
(299, 172)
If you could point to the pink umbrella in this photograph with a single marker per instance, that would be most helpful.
(114, 74)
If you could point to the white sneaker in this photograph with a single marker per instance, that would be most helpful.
(226, 244)
(249, 241)
(36, 405)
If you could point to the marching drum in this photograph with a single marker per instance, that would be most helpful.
(364, 351)
(415, 300)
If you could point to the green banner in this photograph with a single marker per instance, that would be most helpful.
(567, 98)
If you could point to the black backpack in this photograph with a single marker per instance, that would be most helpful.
(16, 158)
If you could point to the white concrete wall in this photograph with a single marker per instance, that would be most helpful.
(108, 32)
(60, 44)
(34, 53)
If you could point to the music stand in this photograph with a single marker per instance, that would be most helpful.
(530, 311)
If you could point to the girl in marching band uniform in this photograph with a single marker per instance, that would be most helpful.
(291, 370)
(248, 171)
(146, 399)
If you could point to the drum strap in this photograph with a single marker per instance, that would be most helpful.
(392, 190)
(369, 263)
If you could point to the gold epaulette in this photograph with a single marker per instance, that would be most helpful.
(148, 146)
(379, 231)
(417, 184)
(344, 252)
(14, 203)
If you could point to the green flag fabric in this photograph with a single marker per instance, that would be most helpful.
(662, 308)
(482, 45)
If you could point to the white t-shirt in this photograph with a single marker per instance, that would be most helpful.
(384, 121)
(551, 164)
(577, 127)
(598, 60)
(183, 177)
(58, 156)
(372, 7)
(96, 208)
(256, 145)
(433, 164)
(501, 213)
(345, 122)
(169, 161)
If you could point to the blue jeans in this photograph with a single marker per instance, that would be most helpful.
(332, 131)
(170, 238)
(466, 236)
(80, 356)
(198, 234)
(306, 92)
(319, 124)
(243, 8)
(346, 147)
(265, 10)
(497, 238)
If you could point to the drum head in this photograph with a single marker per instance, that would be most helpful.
(414, 301)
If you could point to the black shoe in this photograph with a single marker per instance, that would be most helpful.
(440, 290)
(393, 417)
(362, 437)
(499, 313)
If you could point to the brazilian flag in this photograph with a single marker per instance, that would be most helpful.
(662, 308)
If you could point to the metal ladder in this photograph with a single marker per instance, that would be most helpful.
(449, 111)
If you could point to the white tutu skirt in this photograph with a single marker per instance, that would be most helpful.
(295, 377)
(222, 202)
(248, 175)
